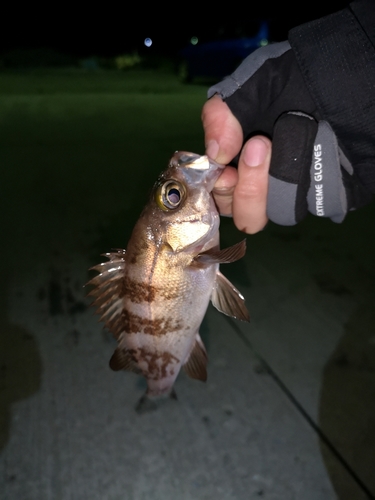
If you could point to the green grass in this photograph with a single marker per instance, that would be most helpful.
(79, 153)
(79, 81)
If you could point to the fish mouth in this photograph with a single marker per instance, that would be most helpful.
(195, 161)
(192, 160)
(209, 169)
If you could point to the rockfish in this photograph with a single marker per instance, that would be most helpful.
(154, 295)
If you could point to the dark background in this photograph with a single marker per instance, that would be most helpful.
(109, 30)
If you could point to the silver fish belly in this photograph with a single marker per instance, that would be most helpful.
(154, 295)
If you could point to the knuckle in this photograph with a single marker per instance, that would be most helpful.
(250, 191)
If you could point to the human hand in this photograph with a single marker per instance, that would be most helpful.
(240, 192)
(308, 170)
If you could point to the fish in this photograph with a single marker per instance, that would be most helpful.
(153, 296)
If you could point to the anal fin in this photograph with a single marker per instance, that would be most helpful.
(121, 360)
(228, 300)
(196, 365)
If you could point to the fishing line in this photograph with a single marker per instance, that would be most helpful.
(300, 408)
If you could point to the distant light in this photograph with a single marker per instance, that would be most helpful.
(148, 42)
(263, 42)
(194, 40)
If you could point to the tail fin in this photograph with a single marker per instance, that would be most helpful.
(149, 403)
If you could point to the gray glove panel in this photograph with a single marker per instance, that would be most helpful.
(247, 68)
(327, 195)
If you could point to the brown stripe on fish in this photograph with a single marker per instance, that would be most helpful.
(158, 362)
(138, 248)
(132, 323)
(137, 292)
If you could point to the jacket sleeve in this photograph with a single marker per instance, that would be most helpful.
(336, 55)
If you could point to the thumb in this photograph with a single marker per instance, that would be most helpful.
(223, 132)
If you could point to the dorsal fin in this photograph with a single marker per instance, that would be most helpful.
(122, 360)
(196, 365)
(227, 299)
(107, 291)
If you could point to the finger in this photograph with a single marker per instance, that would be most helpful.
(250, 194)
(224, 189)
(223, 132)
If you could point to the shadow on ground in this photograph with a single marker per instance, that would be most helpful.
(347, 405)
(20, 364)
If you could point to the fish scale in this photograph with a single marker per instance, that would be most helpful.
(154, 295)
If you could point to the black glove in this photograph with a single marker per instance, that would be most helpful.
(308, 171)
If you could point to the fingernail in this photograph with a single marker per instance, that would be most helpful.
(212, 149)
(255, 152)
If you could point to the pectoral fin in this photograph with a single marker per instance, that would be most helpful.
(121, 360)
(196, 365)
(225, 256)
(228, 300)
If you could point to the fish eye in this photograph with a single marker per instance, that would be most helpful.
(170, 195)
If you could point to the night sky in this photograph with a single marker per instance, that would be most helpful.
(108, 30)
